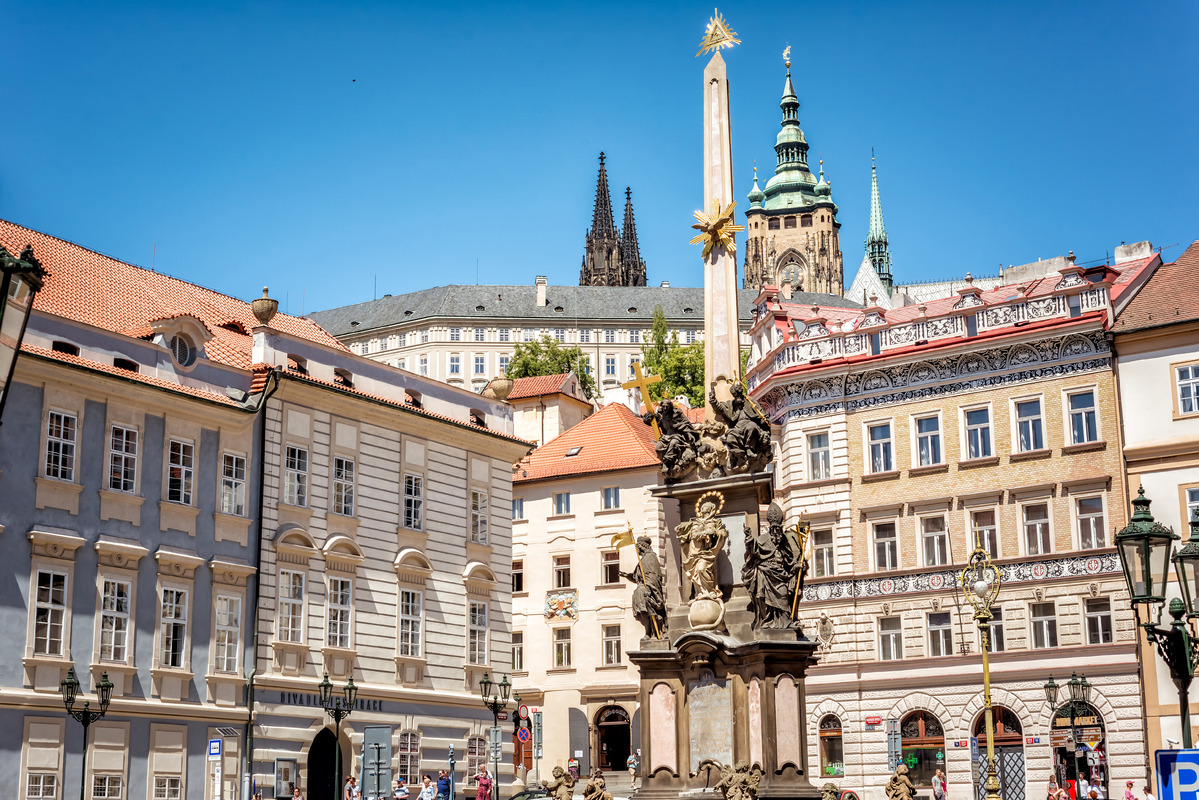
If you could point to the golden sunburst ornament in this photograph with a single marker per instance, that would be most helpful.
(717, 228)
(719, 35)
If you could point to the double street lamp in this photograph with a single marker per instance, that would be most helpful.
(85, 716)
(495, 698)
(1079, 704)
(339, 706)
(980, 583)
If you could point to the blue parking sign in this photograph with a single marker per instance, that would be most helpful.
(1177, 774)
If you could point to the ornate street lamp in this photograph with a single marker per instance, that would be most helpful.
(495, 701)
(338, 706)
(20, 280)
(69, 686)
(1080, 700)
(980, 583)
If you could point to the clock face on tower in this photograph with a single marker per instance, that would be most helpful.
(789, 274)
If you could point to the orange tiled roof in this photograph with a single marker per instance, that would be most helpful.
(95, 289)
(537, 386)
(1170, 296)
(612, 438)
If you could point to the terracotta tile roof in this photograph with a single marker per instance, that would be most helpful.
(106, 293)
(537, 386)
(1170, 296)
(612, 438)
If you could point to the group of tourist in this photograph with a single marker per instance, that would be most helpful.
(1091, 791)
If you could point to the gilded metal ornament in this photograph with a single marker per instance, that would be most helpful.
(718, 35)
(717, 228)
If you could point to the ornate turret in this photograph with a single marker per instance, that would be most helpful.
(632, 268)
(604, 261)
(877, 249)
(756, 196)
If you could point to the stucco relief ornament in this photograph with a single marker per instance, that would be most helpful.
(562, 605)
(701, 539)
(740, 782)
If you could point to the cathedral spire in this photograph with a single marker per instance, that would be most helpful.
(790, 147)
(604, 263)
(630, 251)
(877, 248)
(602, 221)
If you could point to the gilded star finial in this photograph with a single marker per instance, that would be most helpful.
(716, 228)
(718, 35)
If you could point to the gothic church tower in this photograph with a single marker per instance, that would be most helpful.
(611, 258)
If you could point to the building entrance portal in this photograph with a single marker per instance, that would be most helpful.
(1009, 754)
(613, 741)
(323, 780)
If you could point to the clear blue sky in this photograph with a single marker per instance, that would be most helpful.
(318, 148)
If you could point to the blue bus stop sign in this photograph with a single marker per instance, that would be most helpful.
(1177, 774)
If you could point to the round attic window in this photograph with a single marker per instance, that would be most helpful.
(632, 309)
(183, 350)
(688, 310)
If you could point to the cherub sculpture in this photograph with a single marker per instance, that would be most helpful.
(900, 786)
(597, 788)
(561, 786)
(739, 783)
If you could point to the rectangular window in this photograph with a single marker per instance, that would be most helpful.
(1036, 529)
(995, 631)
(822, 553)
(936, 541)
(518, 575)
(60, 447)
(1083, 427)
(1090, 523)
(233, 485)
(480, 365)
(978, 433)
(773, 223)
(114, 621)
(478, 516)
(107, 787)
(820, 459)
(610, 567)
(122, 459)
(886, 546)
(1098, 612)
(180, 465)
(880, 447)
(560, 335)
(609, 335)
(585, 335)
(610, 365)
(291, 606)
(476, 640)
(561, 648)
(410, 622)
(561, 503)
(611, 645)
(504, 361)
(562, 572)
(529, 334)
(295, 476)
(928, 441)
(455, 364)
(403, 363)
(890, 639)
(1192, 503)
(480, 335)
(343, 486)
(1029, 426)
(228, 633)
(518, 651)
(424, 336)
(504, 334)
(635, 336)
(41, 786)
(174, 628)
(789, 222)
(518, 508)
(940, 635)
(408, 757)
(689, 336)
(611, 497)
(1187, 380)
(340, 602)
(986, 535)
(167, 787)
(414, 492)
(423, 365)
(455, 334)
(49, 610)
(1044, 625)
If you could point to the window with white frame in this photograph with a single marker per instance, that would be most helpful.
(402, 363)
(890, 638)
(585, 336)
(995, 632)
(518, 651)
(291, 606)
(610, 567)
(114, 620)
(107, 787)
(167, 787)
(529, 334)
(410, 617)
(505, 360)
(480, 335)
(295, 476)
(940, 634)
(180, 466)
(936, 541)
(503, 334)
(1089, 511)
(122, 459)
(455, 364)
(476, 755)
(41, 786)
(233, 484)
(822, 553)
(518, 508)
(886, 546)
(480, 365)
(609, 335)
(1044, 625)
(611, 638)
(228, 633)
(560, 335)
(455, 334)
(49, 612)
(1084, 427)
(610, 497)
(476, 638)
(1036, 529)
(424, 336)
(173, 629)
(343, 486)
(978, 433)
(518, 575)
(820, 458)
(60, 446)
(414, 495)
(422, 365)
(1030, 426)
(634, 336)
(689, 336)
(610, 365)
(1098, 612)
(984, 532)
(562, 572)
(879, 437)
(928, 441)
(561, 503)
(561, 648)
(478, 516)
(408, 757)
(1186, 379)
(339, 605)
(1192, 501)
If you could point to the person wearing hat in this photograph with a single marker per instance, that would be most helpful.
(400, 792)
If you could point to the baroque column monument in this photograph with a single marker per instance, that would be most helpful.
(723, 661)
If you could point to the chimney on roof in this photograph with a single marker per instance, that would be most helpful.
(1131, 252)
(665, 284)
(785, 289)
(541, 285)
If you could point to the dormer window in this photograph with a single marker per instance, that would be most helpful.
(182, 349)
(125, 364)
(297, 363)
(60, 346)
(343, 377)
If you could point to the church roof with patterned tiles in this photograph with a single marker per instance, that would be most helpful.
(101, 291)
(612, 438)
(1170, 297)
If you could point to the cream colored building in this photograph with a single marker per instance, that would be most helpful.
(545, 406)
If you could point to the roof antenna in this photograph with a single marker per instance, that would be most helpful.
(154, 256)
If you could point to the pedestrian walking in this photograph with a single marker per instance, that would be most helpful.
(443, 785)
(400, 792)
(484, 783)
(427, 790)
(1148, 794)
(633, 763)
(939, 785)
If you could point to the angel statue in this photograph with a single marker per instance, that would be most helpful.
(597, 788)
(740, 783)
(701, 540)
(561, 786)
(900, 786)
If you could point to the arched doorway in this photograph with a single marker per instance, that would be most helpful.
(323, 780)
(923, 742)
(1009, 754)
(613, 738)
(1088, 754)
(832, 753)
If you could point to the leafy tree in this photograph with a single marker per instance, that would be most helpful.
(547, 357)
(680, 366)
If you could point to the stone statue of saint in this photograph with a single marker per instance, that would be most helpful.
(829, 791)
(561, 786)
(701, 540)
(900, 786)
(740, 783)
(748, 437)
(597, 788)
(771, 572)
(649, 598)
(679, 443)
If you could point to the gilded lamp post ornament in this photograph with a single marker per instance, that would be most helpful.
(718, 35)
(716, 228)
(980, 583)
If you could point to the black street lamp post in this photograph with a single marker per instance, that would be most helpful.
(1080, 699)
(20, 280)
(85, 716)
(496, 701)
(338, 706)
(1144, 546)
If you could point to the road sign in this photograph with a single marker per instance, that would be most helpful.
(1177, 774)
(523, 735)
(874, 720)
(523, 712)
(214, 749)
(502, 716)
(497, 743)
(537, 732)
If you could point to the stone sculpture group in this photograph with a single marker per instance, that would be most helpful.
(737, 441)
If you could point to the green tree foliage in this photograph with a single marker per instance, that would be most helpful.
(680, 366)
(547, 357)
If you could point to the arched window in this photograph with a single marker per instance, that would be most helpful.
(832, 754)
(923, 741)
(1007, 727)
(476, 756)
(408, 757)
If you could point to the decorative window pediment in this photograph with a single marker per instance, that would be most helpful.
(55, 543)
(177, 563)
(120, 553)
(229, 572)
(342, 554)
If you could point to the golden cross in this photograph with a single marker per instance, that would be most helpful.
(642, 384)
